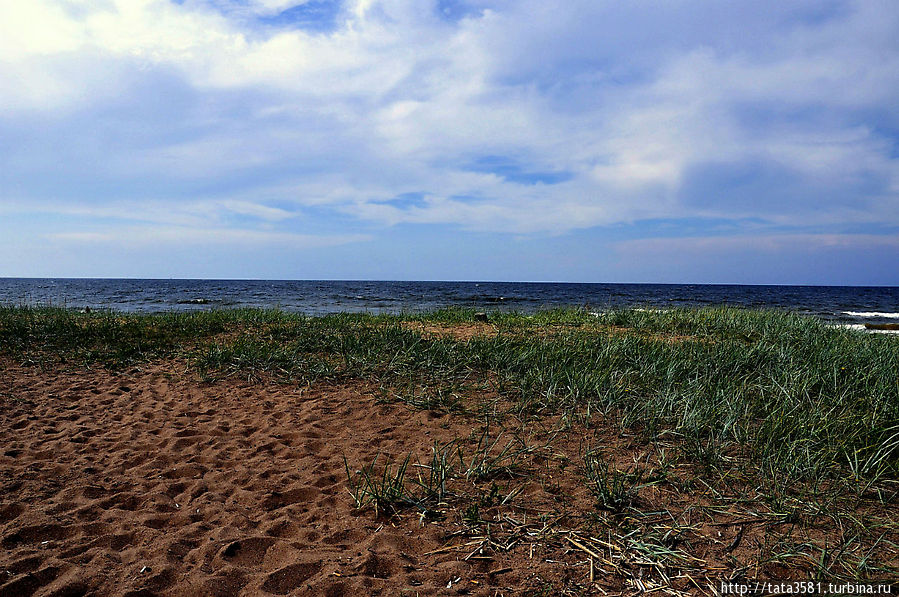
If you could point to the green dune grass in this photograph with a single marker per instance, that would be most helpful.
(796, 399)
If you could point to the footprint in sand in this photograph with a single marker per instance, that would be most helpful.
(290, 577)
(248, 552)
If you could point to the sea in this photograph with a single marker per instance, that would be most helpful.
(847, 305)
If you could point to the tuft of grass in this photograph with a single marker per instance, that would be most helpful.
(613, 489)
(440, 471)
(385, 490)
(487, 462)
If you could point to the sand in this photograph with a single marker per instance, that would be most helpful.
(157, 482)
(152, 482)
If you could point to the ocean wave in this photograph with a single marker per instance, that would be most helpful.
(871, 314)
(861, 327)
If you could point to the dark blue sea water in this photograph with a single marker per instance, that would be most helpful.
(836, 303)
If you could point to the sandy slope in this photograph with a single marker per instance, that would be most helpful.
(151, 482)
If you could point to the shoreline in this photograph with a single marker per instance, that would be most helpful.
(324, 297)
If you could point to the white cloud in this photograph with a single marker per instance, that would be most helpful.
(130, 237)
(247, 208)
(275, 6)
(627, 99)
(720, 246)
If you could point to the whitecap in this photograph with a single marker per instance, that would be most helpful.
(861, 327)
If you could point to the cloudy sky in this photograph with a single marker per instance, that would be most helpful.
(584, 140)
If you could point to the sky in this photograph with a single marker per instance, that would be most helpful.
(668, 141)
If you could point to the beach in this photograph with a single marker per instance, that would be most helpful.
(147, 482)
(257, 453)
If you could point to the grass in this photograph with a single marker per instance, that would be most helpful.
(799, 399)
(386, 489)
(614, 490)
(763, 405)
(389, 487)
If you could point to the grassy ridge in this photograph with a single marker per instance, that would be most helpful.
(793, 397)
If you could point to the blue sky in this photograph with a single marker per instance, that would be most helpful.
(669, 141)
